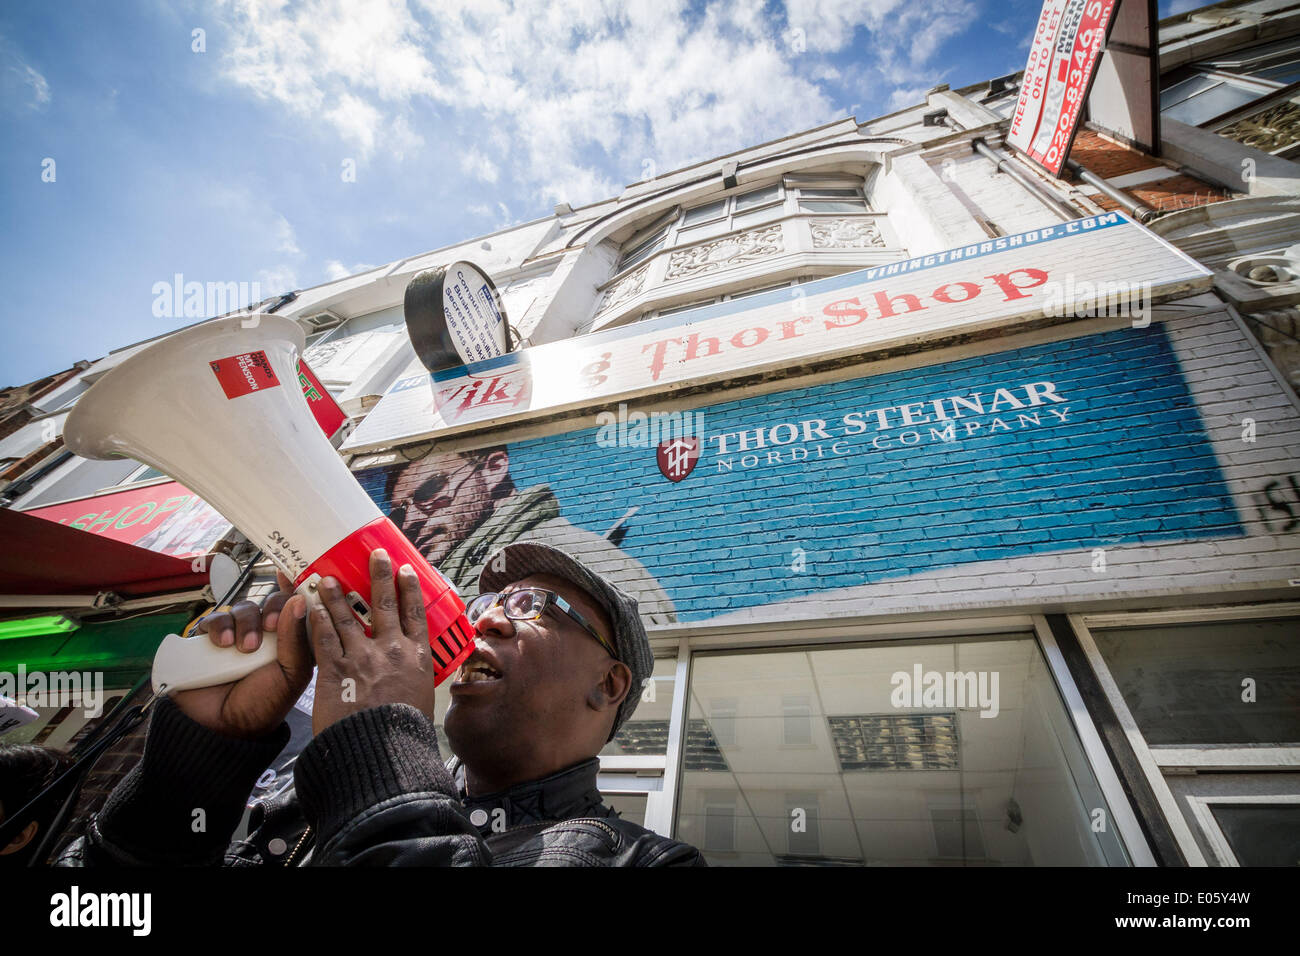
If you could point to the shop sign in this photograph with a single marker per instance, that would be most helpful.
(1063, 270)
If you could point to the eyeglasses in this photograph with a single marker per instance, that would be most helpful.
(528, 604)
(429, 490)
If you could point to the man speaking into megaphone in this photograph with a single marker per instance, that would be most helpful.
(560, 657)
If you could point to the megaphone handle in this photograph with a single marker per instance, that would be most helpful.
(184, 663)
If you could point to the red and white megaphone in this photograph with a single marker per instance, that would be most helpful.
(219, 408)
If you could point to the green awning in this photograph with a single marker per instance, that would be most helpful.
(123, 650)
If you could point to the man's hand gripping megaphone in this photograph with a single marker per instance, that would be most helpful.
(392, 665)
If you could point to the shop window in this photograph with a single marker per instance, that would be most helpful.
(1260, 834)
(890, 780)
(1214, 711)
(1234, 682)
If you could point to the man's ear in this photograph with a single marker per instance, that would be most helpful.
(21, 840)
(613, 687)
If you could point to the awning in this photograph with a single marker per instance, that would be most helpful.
(40, 557)
(122, 650)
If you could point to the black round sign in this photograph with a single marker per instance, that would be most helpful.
(455, 317)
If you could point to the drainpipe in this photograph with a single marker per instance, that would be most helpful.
(1006, 165)
(1134, 208)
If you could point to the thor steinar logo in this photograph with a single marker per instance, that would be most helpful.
(57, 689)
(990, 410)
(950, 690)
(75, 909)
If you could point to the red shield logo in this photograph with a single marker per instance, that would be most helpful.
(677, 457)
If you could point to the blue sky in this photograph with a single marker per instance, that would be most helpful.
(459, 117)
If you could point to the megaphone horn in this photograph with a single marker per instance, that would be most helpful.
(218, 407)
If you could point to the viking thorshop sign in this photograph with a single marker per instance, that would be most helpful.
(996, 284)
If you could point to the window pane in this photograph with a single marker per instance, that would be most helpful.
(644, 249)
(1286, 73)
(929, 781)
(83, 477)
(630, 806)
(705, 230)
(688, 307)
(833, 205)
(830, 193)
(1213, 102)
(1187, 684)
(766, 214)
(1181, 91)
(1261, 834)
(647, 730)
(758, 291)
(757, 197)
(713, 210)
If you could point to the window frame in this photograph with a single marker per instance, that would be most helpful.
(1158, 762)
(677, 231)
(819, 635)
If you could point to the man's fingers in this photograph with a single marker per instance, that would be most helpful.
(346, 625)
(325, 643)
(383, 594)
(292, 649)
(271, 609)
(283, 582)
(220, 628)
(248, 626)
(415, 624)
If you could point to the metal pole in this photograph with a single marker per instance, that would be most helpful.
(1134, 208)
(1005, 165)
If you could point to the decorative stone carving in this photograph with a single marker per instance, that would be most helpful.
(626, 287)
(846, 234)
(725, 252)
(1271, 130)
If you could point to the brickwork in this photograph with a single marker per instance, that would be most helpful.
(1109, 160)
(1149, 467)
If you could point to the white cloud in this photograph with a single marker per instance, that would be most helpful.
(20, 82)
(285, 239)
(278, 280)
(334, 269)
(476, 163)
(575, 97)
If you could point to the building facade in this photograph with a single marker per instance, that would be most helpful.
(961, 501)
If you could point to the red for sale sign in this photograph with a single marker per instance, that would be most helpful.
(1058, 74)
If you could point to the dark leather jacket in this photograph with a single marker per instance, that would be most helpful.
(369, 790)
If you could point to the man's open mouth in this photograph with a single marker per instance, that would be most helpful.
(476, 671)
